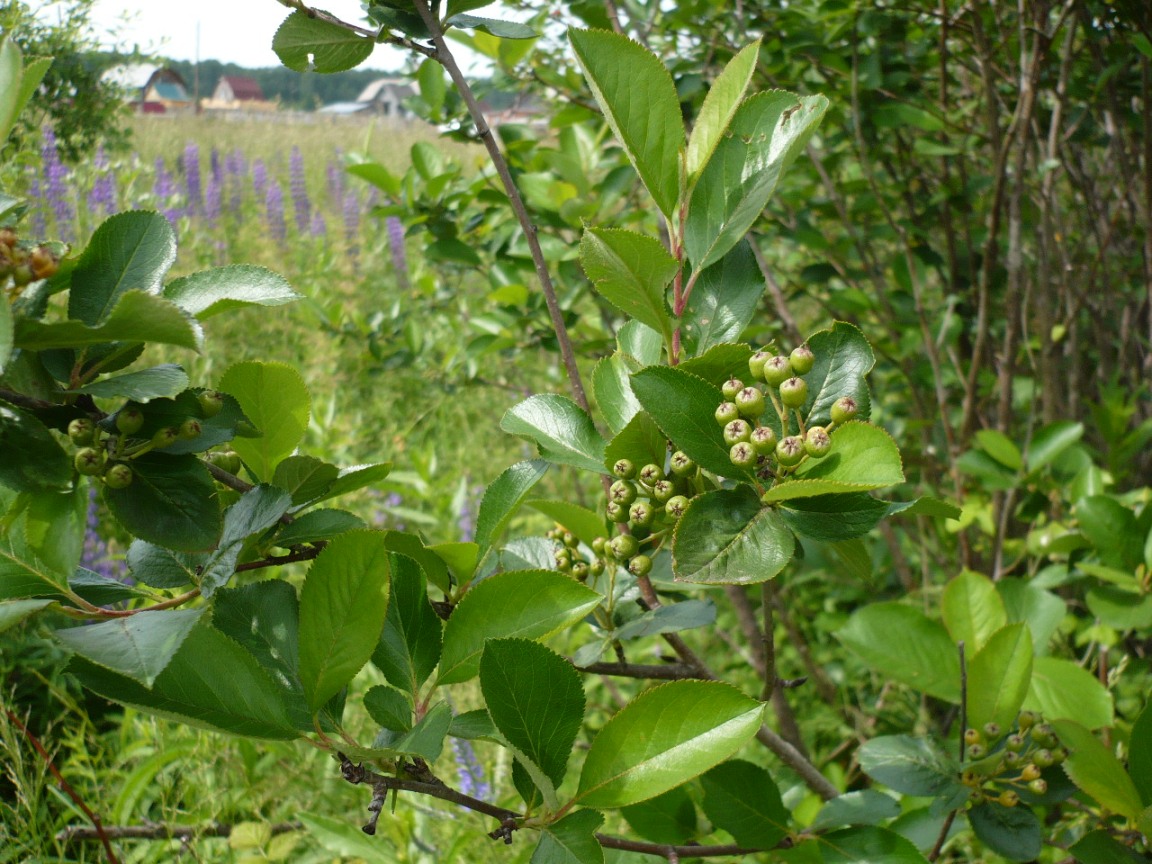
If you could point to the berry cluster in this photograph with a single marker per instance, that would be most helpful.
(105, 450)
(21, 263)
(755, 445)
(1002, 764)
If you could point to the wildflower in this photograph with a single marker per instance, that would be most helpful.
(395, 230)
(55, 188)
(192, 177)
(299, 188)
(469, 772)
(274, 211)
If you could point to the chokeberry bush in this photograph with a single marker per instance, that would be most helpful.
(706, 471)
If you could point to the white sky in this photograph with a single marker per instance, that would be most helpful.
(232, 31)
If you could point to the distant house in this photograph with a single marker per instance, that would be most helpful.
(236, 93)
(384, 96)
(152, 89)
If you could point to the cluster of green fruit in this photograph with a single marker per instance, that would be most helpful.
(105, 449)
(21, 264)
(1003, 763)
(753, 444)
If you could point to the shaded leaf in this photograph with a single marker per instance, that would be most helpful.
(409, 646)
(138, 647)
(171, 502)
(264, 617)
(723, 301)
(728, 537)
(571, 840)
(900, 642)
(742, 799)
(911, 766)
(1013, 832)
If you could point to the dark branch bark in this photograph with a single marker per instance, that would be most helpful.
(164, 832)
(653, 672)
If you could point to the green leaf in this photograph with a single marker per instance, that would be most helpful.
(171, 502)
(136, 317)
(341, 837)
(926, 506)
(7, 334)
(585, 525)
(425, 739)
(1119, 608)
(275, 399)
(727, 537)
(54, 527)
(742, 799)
(901, 643)
(389, 707)
(1041, 610)
(26, 571)
(632, 272)
(138, 647)
(853, 556)
(306, 44)
(665, 736)
(560, 428)
(613, 391)
(356, 477)
(571, 840)
(1050, 441)
(640, 441)
(768, 131)
(409, 646)
(536, 699)
(683, 406)
(1061, 690)
(473, 725)
(33, 460)
(720, 363)
(455, 7)
(432, 87)
(868, 845)
(529, 604)
(843, 359)
(127, 251)
(640, 342)
(305, 478)
(412, 546)
(834, 518)
(863, 457)
(972, 610)
(1096, 770)
(685, 615)
(257, 510)
(724, 300)
(342, 609)
(222, 289)
(211, 682)
(1111, 528)
(1100, 847)
(910, 766)
(1000, 447)
(167, 379)
(1140, 754)
(12, 612)
(999, 676)
(493, 26)
(316, 525)
(639, 101)
(864, 807)
(724, 97)
(1012, 832)
(264, 617)
(11, 73)
(669, 818)
(503, 498)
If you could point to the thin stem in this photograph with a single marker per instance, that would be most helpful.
(444, 57)
(651, 672)
(674, 853)
(166, 832)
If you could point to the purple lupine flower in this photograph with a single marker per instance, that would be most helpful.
(260, 179)
(335, 175)
(351, 213)
(395, 230)
(191, 163)
(164, 191)
(213, 204)
(235, 169)
(466, 518)
(102, 195)
(469, 772)
(55, 188)
(214, 165)
(300, 203)
(274, 211)
(95, 555)
(318, 227)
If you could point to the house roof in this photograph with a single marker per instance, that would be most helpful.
(401, 86)
(171, 91)
(244, 88)
(344, 108)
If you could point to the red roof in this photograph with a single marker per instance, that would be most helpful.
(244, 88)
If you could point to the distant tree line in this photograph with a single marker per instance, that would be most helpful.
(305, 91)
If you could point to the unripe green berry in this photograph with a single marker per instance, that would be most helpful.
(623, 547)
(227, 460)
(763, 440)
(165, 437)
(743, 455)
(731, 387)
(737, 431)
(1059, 754)
(817, 442)
(1043, 735)
(992, 730)
(977, 751)
(190, 429)
(1014, 742)
(972, 736)
(641, 513)
(563, 560)
(789, 451)
(750, 403)
(650, 473)
(756, 364)
(1029, 773)
(802, 359)
(129, 420)
(1008, 798)
(640, 565)
(794, 392)
(569, 539)
(726, 412)
(1043, 758)
(81, 431)
(662, 490)
(596, 567)
(1038, 787)
(623, 492)
(624, 469)
(580, 571)
(617, 513)
(211, 402)
(89, 461)
(1025, 719)
(682, 466)
(598, 546)
(118, 476)
(1012, 759)
(676, 506)
(777, 370)
(845, 409)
